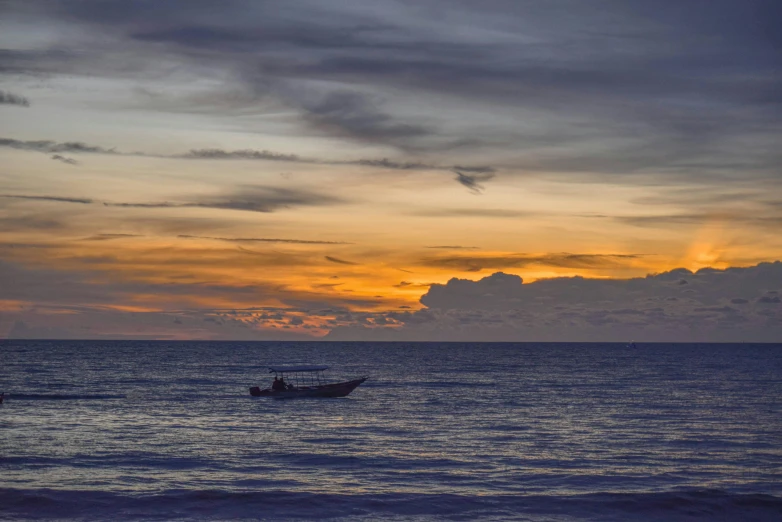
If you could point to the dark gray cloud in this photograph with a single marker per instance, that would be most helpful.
(651, 308)
(383, 163)
(59, 199)
(54, 147)
(249, 198)
(339, 261)
(69, 161)
(473, 181)
(241, 154)
(707, 287)
(255, 198)
(265, 240)
(9, 98)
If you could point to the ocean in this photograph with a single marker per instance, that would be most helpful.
(139, 430)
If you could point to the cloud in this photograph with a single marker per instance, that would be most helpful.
(653, 308)
(760, 217)
(249, 198)
(356, 116)
(257, 198)
(339, 261)
(475, 212)
(48, 146)
(59, 199)
(8, 98)
(385, 163)
(408, 284)
(454, 247)
(107, 237)
(565, 260)
(265, 240)
(246, 154)
(69, 161)
(472, 181)
(708, 287)
(54, 147)
(560, 88)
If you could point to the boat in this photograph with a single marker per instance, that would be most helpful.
(305, 381)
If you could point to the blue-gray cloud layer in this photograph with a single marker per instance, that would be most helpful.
(690, 89)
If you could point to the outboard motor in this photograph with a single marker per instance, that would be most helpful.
(255, 391)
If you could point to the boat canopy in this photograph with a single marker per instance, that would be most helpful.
(289, 369)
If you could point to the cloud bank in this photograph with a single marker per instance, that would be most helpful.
(734, 304)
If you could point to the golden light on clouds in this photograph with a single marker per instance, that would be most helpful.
(183, 186)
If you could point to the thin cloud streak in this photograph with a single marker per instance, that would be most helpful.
(265, 240)
(339, 261)
(49, 146)
(108, 237)
(561, 260)
(59, 199)
(251, 198)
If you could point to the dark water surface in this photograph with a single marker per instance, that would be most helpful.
(99, 430)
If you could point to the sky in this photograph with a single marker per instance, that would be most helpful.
(435, 170)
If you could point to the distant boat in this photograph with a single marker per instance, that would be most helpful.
(309, 382)
(631, 344)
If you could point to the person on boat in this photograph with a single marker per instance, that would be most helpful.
(278, 384)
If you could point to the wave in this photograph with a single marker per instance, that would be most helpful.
(19, 504)
(59, 397)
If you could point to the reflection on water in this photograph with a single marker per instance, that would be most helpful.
(461, 419)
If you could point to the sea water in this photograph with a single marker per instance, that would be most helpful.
(136, 430)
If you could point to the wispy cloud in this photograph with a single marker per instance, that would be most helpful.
(484, 172)
(264, 240)
(358, 117)
(382, 163)
(63, 159)
(247, 154)
(108, 237)
(8, 98)
(455, 247)
(474, 212)
(249, 198)
(563, 260)
(49, 146)
(339, 261)
(83, 201)
(473, 181)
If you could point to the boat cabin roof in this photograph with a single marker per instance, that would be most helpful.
(288, 369)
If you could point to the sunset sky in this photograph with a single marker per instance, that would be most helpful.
(289, 170)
